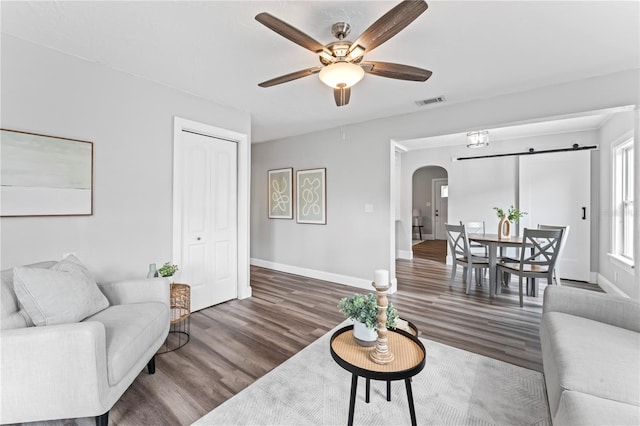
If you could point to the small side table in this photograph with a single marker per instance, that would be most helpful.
(419, 230)
(180, 318)
(409, 360)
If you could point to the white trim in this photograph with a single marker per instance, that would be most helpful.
(622, 140)
(399, 147)
(244, 188)
(609, 287)
(322, 275)
(404, 254)
(434, 183)
(622, 262)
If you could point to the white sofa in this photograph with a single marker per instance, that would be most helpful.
(79, 369)
(591, 357)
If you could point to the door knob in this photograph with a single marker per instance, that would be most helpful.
(198, 238)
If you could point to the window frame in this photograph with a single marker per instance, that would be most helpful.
(622, 201)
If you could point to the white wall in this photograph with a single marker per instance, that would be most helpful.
(612, 274)
(130, 122)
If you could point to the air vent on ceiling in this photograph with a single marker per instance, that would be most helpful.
(430, 101)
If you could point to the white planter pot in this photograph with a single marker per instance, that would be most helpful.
(364, 336)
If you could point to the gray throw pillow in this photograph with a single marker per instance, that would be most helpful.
(66, 293)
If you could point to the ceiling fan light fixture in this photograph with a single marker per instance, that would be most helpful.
(341, 73)
(478, 139)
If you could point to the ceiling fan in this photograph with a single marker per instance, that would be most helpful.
(342, 60)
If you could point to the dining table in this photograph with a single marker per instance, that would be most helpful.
(493, 243)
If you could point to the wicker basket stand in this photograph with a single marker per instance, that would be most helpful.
(180, 317)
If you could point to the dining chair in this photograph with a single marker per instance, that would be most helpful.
(476, 228)
(565, 235)
(461, 255)
(538, 256)
(477, 249)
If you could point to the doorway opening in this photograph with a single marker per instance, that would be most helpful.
(430, 195)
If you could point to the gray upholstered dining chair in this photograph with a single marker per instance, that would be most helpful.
(565, 235)
(538, 256)
(461, 255)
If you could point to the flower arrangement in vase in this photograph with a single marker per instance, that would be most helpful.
(513, 215)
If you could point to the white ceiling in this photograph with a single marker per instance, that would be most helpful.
(216, 50)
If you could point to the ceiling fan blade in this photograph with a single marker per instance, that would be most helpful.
(289, 77)
(397, 71)
(342, 95)
(390, 24)
(289, 32)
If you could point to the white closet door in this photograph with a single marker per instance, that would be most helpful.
(209, 219)
(555, 189)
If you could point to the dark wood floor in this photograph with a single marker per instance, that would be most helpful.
(235, 343)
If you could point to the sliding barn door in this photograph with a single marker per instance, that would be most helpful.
(555, 189)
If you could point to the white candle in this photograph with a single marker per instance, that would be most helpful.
(381, 277)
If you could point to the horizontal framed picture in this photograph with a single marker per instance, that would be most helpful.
(45, 175)
(311, 196)
(280, 193)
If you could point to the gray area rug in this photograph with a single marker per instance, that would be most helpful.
(456, 387)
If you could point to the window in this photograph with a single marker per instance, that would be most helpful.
(623, 200)
(444, 191)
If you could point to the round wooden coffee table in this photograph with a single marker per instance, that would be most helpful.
(409, 360)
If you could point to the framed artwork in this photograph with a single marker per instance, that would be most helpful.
(280, 194)
(45, 175)
(311, 196)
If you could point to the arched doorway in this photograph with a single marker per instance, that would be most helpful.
(429, 212)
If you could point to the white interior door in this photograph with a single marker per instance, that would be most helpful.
(555, 189)
(440, 207)
(209, 219)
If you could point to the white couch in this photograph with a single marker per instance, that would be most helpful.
(79, 369)
(591, 357)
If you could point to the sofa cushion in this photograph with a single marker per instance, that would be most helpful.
(591, 357)
(130, 331)
(579, 409)
(11, 315)
(65, 293)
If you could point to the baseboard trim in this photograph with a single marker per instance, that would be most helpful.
(322, 275)
(404, 254)
(609, 287)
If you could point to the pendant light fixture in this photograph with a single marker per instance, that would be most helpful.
(478, 139)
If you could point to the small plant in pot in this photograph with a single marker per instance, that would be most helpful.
(167, 270)
(363, 310)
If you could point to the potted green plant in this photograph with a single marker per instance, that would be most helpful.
(167, 270)
(363, 310)
(512, 215)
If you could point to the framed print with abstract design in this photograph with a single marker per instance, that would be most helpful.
(280, 194)
(311, 196)
(45, 175)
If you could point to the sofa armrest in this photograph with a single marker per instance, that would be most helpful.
(137, 291)
(50, 372)
(601, 307)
